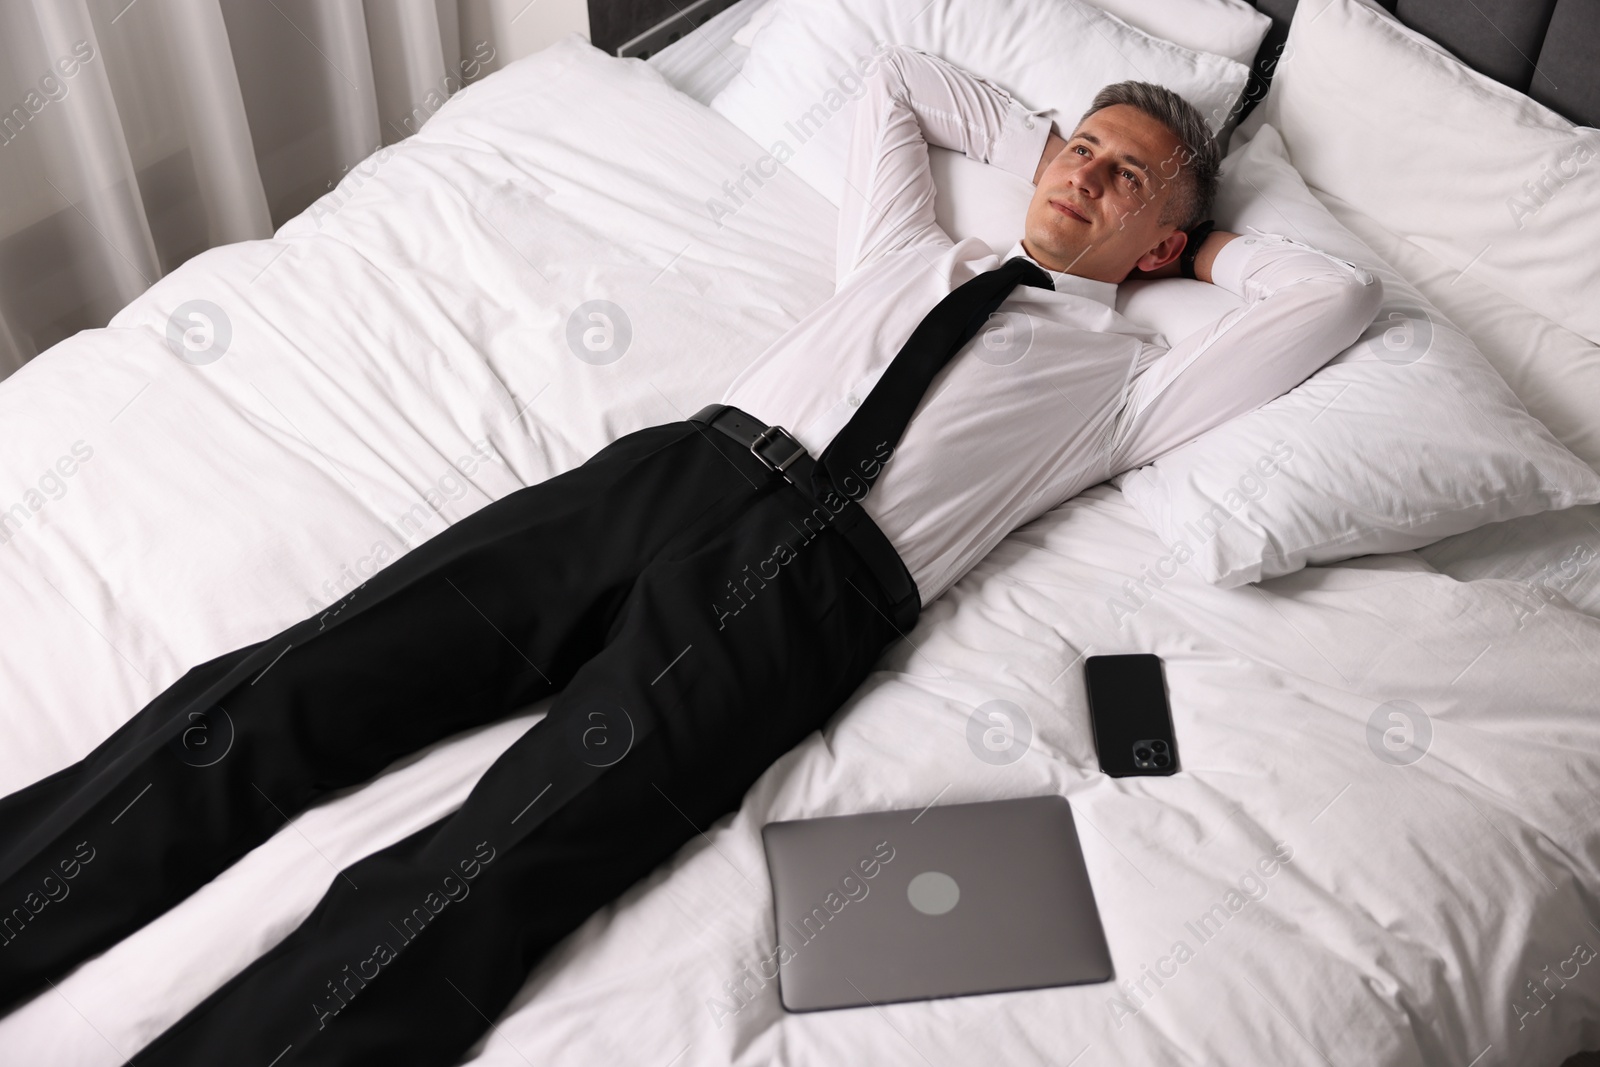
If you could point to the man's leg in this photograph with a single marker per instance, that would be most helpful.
(654, 739)
(491, 614)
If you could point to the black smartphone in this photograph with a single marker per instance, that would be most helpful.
(1131, 718)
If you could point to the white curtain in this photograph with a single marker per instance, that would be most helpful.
(135, 134)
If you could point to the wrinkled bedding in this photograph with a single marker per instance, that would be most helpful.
(1387, 823)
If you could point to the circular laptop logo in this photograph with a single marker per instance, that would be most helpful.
(933, 892)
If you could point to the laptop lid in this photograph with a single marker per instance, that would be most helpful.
(932, 902)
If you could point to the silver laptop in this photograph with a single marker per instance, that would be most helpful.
(932, 902)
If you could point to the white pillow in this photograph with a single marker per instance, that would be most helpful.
(1405, 437)
(1474, 172)
(1553, 371)
(745, 35)
(973, 199)
(1174, 307)
(1229, 28)
(796, 93)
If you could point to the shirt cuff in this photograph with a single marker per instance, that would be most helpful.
(1230, 266)
(1021, 141)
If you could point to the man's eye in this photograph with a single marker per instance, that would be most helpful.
(1079, 148)
(1133, 181)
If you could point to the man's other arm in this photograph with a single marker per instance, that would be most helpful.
(1301, 308)
(913, 100)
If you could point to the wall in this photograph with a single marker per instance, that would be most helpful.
(518, 28)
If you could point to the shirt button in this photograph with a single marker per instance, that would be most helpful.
(1027, 124)
(854, 401)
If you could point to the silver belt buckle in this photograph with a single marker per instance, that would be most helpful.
(772, 433)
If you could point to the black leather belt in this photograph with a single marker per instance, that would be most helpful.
(783, 455)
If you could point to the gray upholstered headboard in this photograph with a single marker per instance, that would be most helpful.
(1549, 49)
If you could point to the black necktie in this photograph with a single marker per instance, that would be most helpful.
(855, 457)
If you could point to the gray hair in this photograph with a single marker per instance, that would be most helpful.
(1198, 157)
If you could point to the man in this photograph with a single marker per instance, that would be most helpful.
(701, 595)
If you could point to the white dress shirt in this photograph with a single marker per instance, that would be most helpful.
(1058, 392)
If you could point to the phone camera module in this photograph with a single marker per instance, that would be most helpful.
(1151, 755)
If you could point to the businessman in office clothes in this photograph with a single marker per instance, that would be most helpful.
(700, 595)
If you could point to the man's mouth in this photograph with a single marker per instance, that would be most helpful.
(1068, 210)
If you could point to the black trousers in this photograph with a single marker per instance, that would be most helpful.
(671, 590)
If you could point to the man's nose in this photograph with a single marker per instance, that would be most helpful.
(1090, 180)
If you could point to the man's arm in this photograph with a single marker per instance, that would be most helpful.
(914, 100)
(1302, 307)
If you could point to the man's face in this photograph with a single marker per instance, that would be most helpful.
(1096, 210)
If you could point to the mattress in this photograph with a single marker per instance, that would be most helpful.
(1416, 755)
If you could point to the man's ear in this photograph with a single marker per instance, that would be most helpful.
(1164, 252)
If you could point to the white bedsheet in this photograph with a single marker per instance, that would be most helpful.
(425, 304)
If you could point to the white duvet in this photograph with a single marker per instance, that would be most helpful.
(1388, 822)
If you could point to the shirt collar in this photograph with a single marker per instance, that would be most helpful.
(1103, 292)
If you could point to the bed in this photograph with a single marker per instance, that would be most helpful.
(401, 354)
